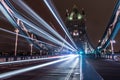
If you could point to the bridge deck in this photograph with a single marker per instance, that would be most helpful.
(108, 69)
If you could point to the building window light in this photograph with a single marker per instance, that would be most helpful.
(79, 16)
(75, 33)
(70, 18)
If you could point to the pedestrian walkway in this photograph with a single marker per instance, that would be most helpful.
(108, 69)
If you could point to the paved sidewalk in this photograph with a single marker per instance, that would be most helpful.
(108, 69)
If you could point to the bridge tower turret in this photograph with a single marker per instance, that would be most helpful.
(75, 23)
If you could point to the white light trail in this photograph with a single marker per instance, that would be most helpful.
(58, 18)
(35, 29)
(8, 31)
(38, 31)
(31, 60)
(40, 20)
(16, 72)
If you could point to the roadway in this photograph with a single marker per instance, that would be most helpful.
(70, 67)
(62, 70)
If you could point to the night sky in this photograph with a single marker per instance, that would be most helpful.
(98, 13)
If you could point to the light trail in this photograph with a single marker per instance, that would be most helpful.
(47, 36)
(8, 31)
(58, 18)
(30, 60)
(38, 31)
(35, 29)
(40, 20)
(16, 72)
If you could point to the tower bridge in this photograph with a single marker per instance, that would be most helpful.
(59, 49)
(76, 24)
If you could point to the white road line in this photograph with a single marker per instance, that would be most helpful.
(72, 70)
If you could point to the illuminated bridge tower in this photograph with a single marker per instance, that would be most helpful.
(75, 22)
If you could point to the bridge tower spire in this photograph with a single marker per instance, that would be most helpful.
(75, 22)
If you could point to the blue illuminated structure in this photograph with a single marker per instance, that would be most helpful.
(112, 28)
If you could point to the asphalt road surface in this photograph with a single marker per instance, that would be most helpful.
(62, 70)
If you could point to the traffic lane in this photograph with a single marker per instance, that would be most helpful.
(15, 65)
(58, 71)
(11, 67)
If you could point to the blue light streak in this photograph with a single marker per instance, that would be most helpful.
(8, 31)
(33, 27)
(40, 20)
(38, 31)
(57, 17)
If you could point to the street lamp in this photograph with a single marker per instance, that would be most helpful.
(16, 41)
(112, 48)
(31, 47)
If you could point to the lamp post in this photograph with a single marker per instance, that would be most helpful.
(16, 42)
(112, 48)
(31, 47)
